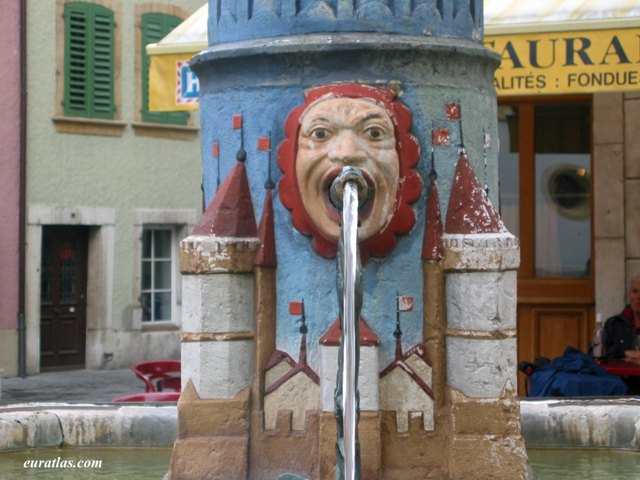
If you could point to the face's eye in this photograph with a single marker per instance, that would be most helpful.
(375, 133)
(319, 133)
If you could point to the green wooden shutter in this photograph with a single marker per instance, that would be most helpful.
(155, 26)
(89, 64)
(103, 71)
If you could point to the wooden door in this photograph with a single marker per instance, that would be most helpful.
(545, 199)
(63, 298)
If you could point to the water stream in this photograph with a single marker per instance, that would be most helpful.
(348, 191)
(350, 340)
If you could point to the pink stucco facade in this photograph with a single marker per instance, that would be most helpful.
(10, 148)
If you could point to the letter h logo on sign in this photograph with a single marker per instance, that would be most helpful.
(187, 84)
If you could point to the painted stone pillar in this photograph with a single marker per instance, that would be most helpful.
(481, 261)
(402, 91)
(216, 261)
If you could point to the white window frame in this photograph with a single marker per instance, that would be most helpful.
(155, 260)
(180, 223)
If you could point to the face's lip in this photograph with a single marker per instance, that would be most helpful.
(364, 210)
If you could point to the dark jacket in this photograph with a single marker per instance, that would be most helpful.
(618, 334)
(574, 374)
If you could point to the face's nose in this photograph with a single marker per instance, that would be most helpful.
(347, 149)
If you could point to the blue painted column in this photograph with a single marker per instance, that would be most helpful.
(263, 56)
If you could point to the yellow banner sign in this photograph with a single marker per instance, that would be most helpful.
(172, 84)
(567, 62)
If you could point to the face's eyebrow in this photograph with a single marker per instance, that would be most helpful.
(315, 118)
(366, 116)
(369, 115)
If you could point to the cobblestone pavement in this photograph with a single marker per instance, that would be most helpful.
(71, 386)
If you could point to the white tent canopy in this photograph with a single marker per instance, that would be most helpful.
(516, 16)
(169, 57)
(188, 37)
(504, 15)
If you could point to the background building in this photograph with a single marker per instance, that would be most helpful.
(568, 91)
(110, 188)
(11, 188)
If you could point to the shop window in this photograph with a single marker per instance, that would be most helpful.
(545, 185)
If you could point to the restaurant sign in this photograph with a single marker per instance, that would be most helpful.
(567, 62)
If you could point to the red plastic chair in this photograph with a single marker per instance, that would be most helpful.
(149, 397)
(159, 375)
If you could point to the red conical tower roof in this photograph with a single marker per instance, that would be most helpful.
(470, 210)
(368, 337)
(432, 241)
(266, 256)
(230, 213)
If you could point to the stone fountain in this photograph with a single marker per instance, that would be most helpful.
(291, 93)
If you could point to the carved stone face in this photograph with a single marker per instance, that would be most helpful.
(340, 132)
(350, 125)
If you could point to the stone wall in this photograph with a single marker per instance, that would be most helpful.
(616, 165)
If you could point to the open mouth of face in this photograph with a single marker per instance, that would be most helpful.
(364, 208)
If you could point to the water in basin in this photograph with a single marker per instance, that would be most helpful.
(153, 463)
(569, 464)
(115, 463)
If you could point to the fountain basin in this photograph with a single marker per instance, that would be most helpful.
(37, 425)
(592, 423)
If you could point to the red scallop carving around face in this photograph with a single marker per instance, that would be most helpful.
(365, 117)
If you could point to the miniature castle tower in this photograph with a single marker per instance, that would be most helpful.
(481, 263)
(216, 261)
(436, 380)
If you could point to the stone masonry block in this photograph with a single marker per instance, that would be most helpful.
(481, 300)
(217, 303)
(632, 269)
(503, 458)
(607, 111)
(631, 137)
(610, 282)
(632, 206)
(481, 251)
(608, 191)
(480, 367)
(201, 418)
(218, 369)
(206, 254)
(209, 458)
(495, 416)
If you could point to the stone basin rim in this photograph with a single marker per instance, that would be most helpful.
(546, 423)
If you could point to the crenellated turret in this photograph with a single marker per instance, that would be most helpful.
(216, 262)
(348, 85)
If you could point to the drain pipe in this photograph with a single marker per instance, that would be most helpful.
(22, 338)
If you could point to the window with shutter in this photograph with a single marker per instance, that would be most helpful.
(89, 61)
(155, 26)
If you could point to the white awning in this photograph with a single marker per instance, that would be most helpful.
(169, 71)
(520, 16)
(188, 37)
